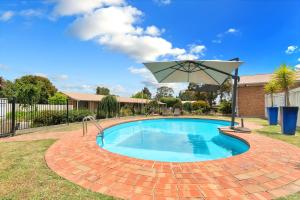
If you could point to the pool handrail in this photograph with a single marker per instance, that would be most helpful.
(93, 120)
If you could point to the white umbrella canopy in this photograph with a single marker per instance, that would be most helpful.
(213, 72)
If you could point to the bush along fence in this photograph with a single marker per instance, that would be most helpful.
(16, 116)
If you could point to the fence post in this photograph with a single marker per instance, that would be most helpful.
(68, 111)
(13, 116)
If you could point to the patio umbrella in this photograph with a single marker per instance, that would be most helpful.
(212, 72)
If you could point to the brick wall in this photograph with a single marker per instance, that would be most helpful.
(251, 101)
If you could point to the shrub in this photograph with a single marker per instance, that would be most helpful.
(197, 112)
(58, 99)
(201, 105)
(177, 105)
(125, 111)
(152, 107)
(225, 107)
(108, 107)
(170, 101)
(187, 107)
(47, 118)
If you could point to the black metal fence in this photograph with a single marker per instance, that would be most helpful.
(16, 116)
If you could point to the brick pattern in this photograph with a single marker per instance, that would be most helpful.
(270, 169)
(251, 101)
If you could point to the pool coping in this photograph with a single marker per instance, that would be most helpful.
(263, 172)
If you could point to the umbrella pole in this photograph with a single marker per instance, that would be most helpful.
(234, 97)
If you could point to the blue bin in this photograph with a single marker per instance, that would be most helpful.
(289, 120)
(272, 115)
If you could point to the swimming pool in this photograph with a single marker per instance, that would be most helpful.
(172, 140)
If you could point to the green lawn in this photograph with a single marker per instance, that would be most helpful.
(25, 175)
(275, 132)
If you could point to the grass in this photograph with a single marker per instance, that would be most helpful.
(274, 131)
(25, 175)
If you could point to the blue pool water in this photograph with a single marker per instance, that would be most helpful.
(172, 140)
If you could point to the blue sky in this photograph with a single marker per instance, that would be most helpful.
(82, 44)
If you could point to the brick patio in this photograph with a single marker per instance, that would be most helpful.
(270, 169)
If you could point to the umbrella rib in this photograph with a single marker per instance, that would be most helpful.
(211, 68)
(167, 75)
(166, 68)
(208, 73)
(211, 77)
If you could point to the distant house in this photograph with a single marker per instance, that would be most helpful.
(90, 101)
(251, 95)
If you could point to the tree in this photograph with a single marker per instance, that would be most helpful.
(108, 106)
(58, 99)
(152, 107)
(38, 88)
(170, 101)
(140, 95)
(2, 86)
(271, 88)
(102, 91)
(147, 92)
(187, 95)
(187, 106)
(225, 89)
(164, 91)
(7, 90)
(285, 78)
(28, 94)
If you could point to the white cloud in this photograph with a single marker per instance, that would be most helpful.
(232, 30)
(163, 2)
(297, 67)
(198, 49)
(4, 67)
(60, 77)
(7, 15)
(220, 36)
(31, 13)
(150, 82)
(217, 41)
(187, 56)
(153, 30)
(75, 7)
(298, 59)
(115, 28)
(291, 49)
(41, 74)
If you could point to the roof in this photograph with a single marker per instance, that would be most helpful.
(258, 79)
(96, 97)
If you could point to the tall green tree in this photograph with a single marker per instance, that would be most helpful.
(102, 91)
(187, 95)
(147, 92)
(36, 88)
(140, 95)
(164, 91)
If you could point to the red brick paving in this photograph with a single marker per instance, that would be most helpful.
(270, 169)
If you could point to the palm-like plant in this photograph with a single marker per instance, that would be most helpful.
(271, 88)
(285, 78)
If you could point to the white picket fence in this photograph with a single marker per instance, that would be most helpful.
(6, 108)
(279, 101)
